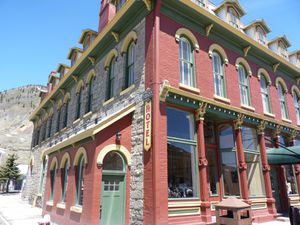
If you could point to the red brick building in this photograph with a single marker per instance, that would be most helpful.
(220, 94)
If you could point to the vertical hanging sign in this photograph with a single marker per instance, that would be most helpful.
(147, 125)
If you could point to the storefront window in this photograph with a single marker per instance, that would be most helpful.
(209, 133)
(252, 157)
(182, 155)
(229, 163)
(212, 172)
(291, 184)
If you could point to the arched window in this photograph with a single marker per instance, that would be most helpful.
(260, 36)
(50, 121)
(282, 49)
(297, 106)
(111, 79)
(58, 119)
(130, 65)
(219, 75)
(64, 180)
(86, 42)
(89, 102)
(233, 18)
(265, 96)
(52, 180)
(74, 58)
(113, 162)
(244, 86)
(80, 180)
(78, 107)
(283, 106)
(186, 59)
(66, 114)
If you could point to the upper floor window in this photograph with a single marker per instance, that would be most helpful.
(282, 50)
(130, 65)
(219, 75)
(74, 58)
(244, 86)
(64, 180)
(80, 180)
(86, 42)
(65, 122)
(297, 106)
(186, 59)
(233, 18)
(119, 4)
(89, 103)
(58, 119)
(111, 79)
(50, 121)
(78, 107)
(261, 38)
(264, 91)
(199, 2)
(283, 106)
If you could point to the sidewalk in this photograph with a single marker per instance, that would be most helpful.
(14, 211)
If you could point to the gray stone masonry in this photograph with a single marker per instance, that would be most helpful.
(99, 113)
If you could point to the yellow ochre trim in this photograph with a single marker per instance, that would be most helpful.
(113, 54)
(296, 90)
(131, 36)
(218, 49)
(90, 76)
(79, 86)
(188, 34)
(262, 71)
(282, 82)
(81, 151)
(66, 157)
(54, 163)
(67, 97)
(119, 148)
(244, 63)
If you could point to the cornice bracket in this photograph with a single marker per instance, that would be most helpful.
(92, 60)
(208, 29)
(148, 4)
(75, 78)
(116, 36)
(164, 90)
(246, 50)
(200, 112)
(275, 66)
(62, 91)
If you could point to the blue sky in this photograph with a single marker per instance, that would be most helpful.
(36, 35)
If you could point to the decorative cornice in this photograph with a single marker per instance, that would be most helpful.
(92, 60)
(275, 66)
(208, 29)
(246, 50)
(200, 112)
(75, 78)
(277, 131)
(116, 36)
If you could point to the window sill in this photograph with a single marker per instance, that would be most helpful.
(64, 129)
(88, 114)
(56, 133)
(76, 121)
(50, 203)
(286, 120)
(248, 107)
(269, 114)
(76, 209)
(127, 89)
(222, 99)
(108, 101)
(183, 203)
(189, 88)
(61, 206)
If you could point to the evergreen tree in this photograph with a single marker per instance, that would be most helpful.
(10, 171)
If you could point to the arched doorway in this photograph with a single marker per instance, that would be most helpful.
(113, 194)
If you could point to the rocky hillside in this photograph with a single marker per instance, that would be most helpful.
(16, 105)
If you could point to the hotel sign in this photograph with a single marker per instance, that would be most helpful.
(147, 125)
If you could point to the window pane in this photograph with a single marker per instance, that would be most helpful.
(212, 172)
(186, 62)
(226, 137)
(291, 183)
(113, 161)
(230, 173)
(255, 181)
(249, 138)
(180, 124)
(182, 182)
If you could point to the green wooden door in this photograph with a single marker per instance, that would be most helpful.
(112, 209)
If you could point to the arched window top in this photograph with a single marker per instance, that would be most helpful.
(183, 32)
(79, 86)
(241, 61)
(295, 90)
(113, 54)
(90, 76)
(262, 72)
(64, 159)
(31, 162)
(280, 81)
(45, 117)
(67, 98)
(117, 148)
(81, 152)
(131, 37)
(113, 161)
(59, 104)
(54, 163)
(50, 112)
(217, 48)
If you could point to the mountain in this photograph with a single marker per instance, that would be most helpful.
(16, 105)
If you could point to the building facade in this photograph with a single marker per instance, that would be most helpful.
(168, 109)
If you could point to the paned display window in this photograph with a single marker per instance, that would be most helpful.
(182, 155)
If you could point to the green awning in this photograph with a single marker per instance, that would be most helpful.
(284, 156)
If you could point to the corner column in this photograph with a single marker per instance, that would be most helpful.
(202, 163)
(242, 166)
(266, 168)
